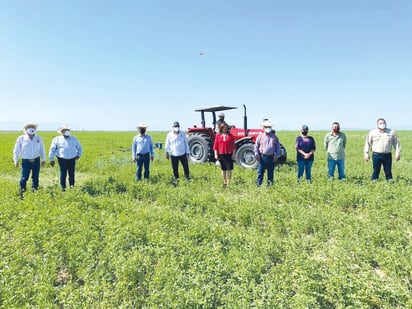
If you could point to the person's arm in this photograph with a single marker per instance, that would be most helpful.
(397, 147)
(367, 147)
(42, 152)
(17, 151)
(52, 151)
(134, 146)
(151, 149)
(79, 149)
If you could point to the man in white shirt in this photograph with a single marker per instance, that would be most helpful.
(30, 148)
(68, 150)
(381, 141)
(177, 149)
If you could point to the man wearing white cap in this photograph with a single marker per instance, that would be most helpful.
(142, 152)
(30, 148)
(68, 150)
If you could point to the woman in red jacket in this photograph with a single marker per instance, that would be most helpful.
(224, 148)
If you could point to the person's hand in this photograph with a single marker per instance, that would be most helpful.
(151, 158)
(51, 163)
(134, 160)
(397, 158)
(16, 164)
(366, 158)
(43, 163)
(77, 158)
(257, 158)
(167, 156)
(275, 158)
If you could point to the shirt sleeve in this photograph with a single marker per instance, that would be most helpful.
(52, 149)
(396, 145)
(151, 149)
(42, 150)
(17, 150)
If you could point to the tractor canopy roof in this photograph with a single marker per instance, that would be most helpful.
(214, 108)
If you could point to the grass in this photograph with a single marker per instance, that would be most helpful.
(112, 242)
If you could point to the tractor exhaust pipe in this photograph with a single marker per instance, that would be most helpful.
(245, 120)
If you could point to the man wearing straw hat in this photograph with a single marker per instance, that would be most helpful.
(68, 150)
(142, 152)
(267, 152)
(30, 148)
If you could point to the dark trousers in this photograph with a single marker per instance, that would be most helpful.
(175, 165)
(67, 166)
(143, 161)
(379, 160)
(28, 166)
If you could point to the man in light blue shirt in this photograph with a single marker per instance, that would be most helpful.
(177, 149)
(68, 150)
(142, 152)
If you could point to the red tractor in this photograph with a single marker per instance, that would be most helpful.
(201, 140)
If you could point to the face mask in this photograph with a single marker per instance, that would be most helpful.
(142, 131)
(31, 131)
(305, 133)
(66, 133)
(176, 129)
(268, 130)
(382, 126)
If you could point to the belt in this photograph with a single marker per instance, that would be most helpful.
(32, 160)
(267, 156)
(382, 153)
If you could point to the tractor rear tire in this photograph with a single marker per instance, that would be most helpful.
(245, 156)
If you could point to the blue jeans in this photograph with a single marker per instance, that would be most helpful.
(266, 163)
(143, 161)
(341, 168)
(382, 159)
(28, 166)
(67, 166)
(305, 166)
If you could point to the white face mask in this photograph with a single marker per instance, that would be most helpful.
(268, 130)
(31, 131)
(66, 133)
(382, 126)
(176, 129)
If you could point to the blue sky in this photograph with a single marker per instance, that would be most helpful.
(109, 65)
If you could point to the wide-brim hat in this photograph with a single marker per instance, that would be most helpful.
(266, 124)
(141, 125)
(29, 125)
(63, 128)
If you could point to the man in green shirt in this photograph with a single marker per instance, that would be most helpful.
(335, 143)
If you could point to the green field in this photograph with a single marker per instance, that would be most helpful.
(112, 242)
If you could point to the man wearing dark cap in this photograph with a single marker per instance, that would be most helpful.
(177, 149)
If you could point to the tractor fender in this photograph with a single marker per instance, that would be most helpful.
(244, 140)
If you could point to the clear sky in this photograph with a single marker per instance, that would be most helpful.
(109, 65)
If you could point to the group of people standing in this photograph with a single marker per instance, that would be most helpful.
(267, 150)
(30, 147)
(379, 141)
